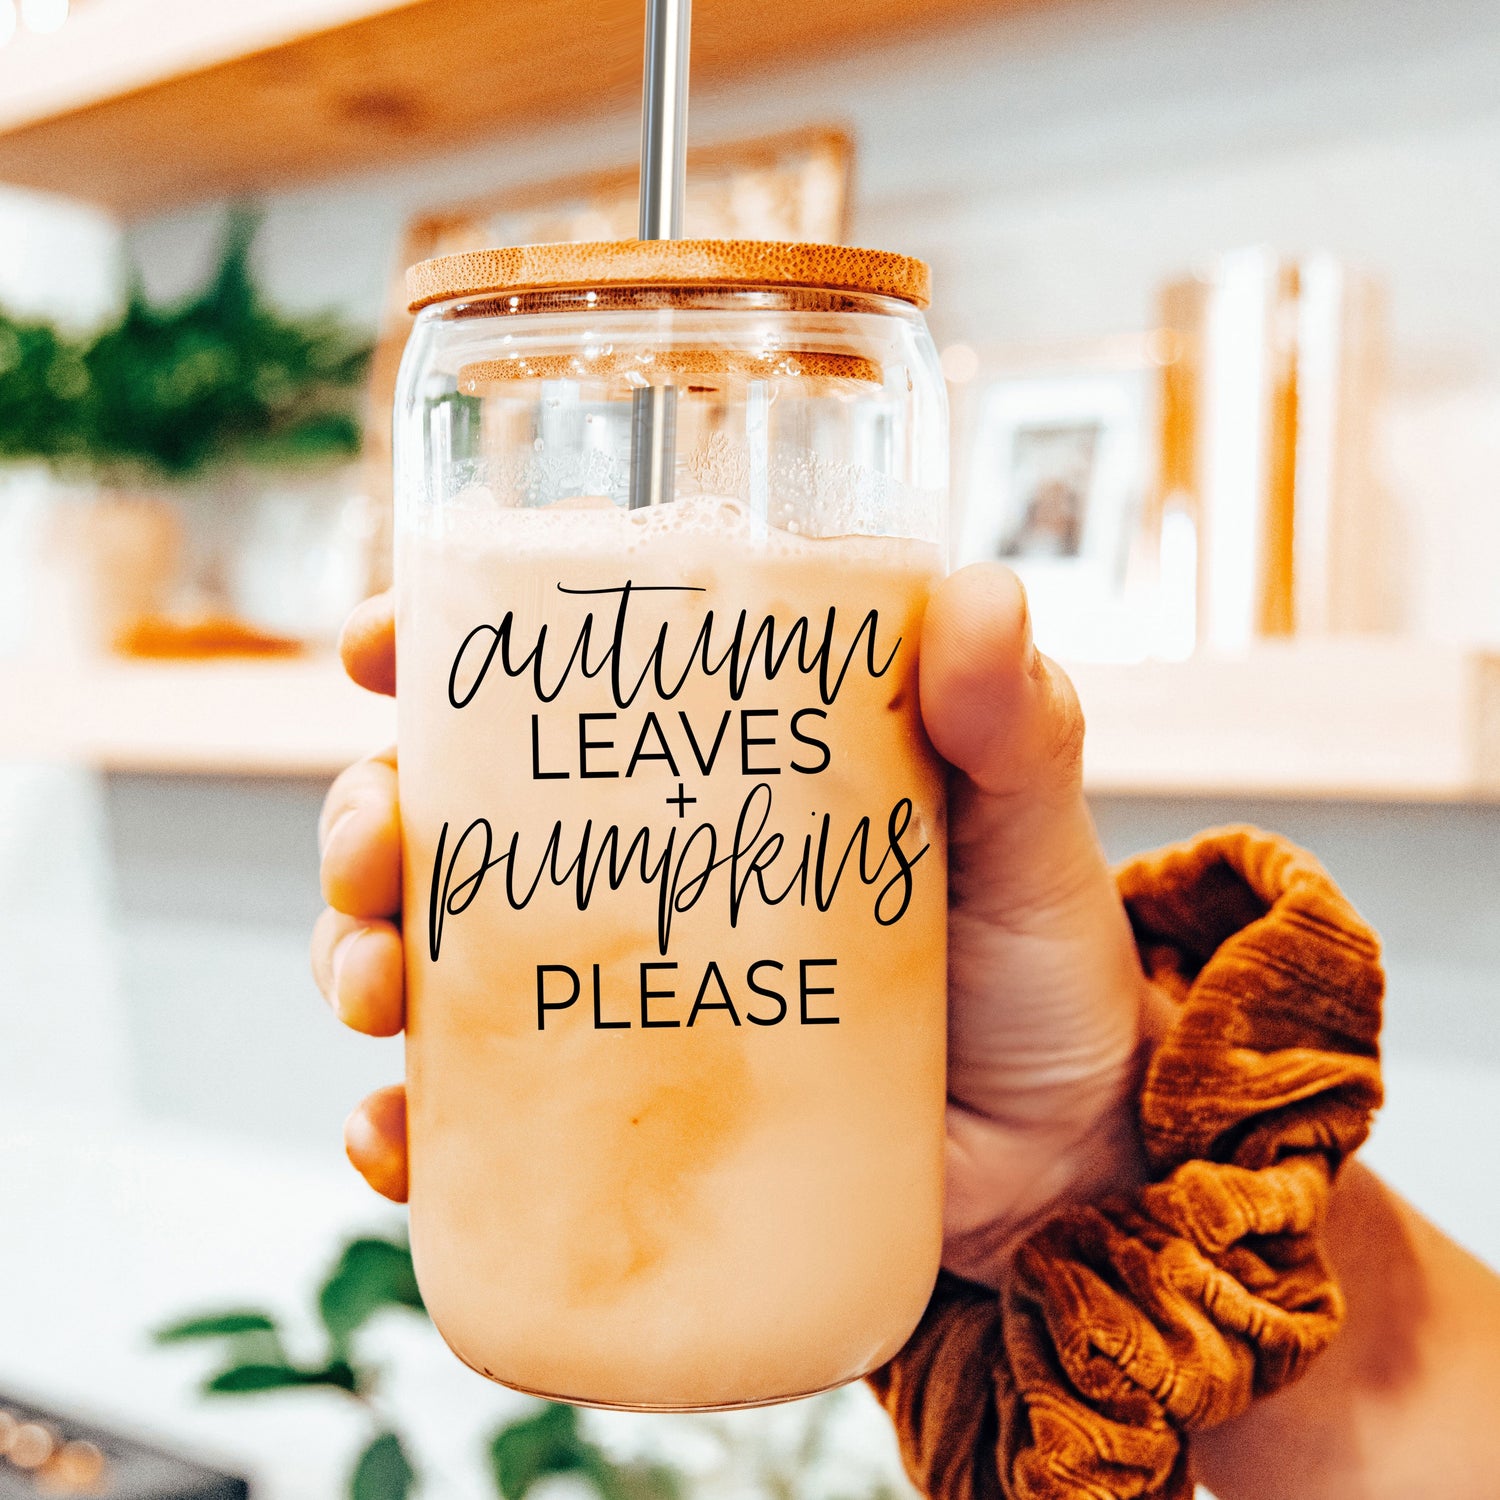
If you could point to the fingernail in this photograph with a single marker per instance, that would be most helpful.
(371, 1155)
(326, 842)
(1033, 656)
(341, 951)
(361, 1142)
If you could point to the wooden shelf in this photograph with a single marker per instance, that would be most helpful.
(298, 717)
(138, 104)
(1355, 720)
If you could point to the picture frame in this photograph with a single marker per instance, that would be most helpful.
(791, 185)
(1053, 467)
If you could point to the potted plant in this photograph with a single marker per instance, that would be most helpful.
(176, 414)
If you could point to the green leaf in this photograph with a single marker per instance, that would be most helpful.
(383, 1472)
(534, 1447)
(636, 1481)
(552, 1442)
(253, 1337)
(371, 1274)
(215, 1325)
(245, 1379)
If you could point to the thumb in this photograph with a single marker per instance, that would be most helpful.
(1044, 982)
(1007, 719)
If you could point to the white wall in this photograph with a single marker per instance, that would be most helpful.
(58, 260)
(1056, 166)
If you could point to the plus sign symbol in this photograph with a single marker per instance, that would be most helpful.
(681, 801)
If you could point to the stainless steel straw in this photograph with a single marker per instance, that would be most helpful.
(653, 430)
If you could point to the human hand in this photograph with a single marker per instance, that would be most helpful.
(1047, 1003)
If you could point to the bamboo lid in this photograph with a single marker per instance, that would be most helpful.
(670, 367)
(624, 263)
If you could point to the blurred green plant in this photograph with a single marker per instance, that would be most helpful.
(168, 393)
(370, 1276)
(42, 382)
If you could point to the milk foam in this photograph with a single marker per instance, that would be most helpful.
(589, 525)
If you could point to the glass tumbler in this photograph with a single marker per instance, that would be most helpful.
(668, 515)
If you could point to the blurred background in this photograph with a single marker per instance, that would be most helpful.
(1216, 300)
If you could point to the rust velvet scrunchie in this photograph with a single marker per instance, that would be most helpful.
(1126, 1324)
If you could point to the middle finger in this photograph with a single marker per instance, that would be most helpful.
(360, 841)
(357, 965)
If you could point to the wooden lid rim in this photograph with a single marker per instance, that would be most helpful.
(727, 263)
(713, 365)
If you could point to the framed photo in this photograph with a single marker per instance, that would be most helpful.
(790, 186)
(1052, 473)
(794, 185)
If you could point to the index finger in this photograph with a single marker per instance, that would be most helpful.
(367, 644)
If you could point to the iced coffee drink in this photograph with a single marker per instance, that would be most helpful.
(675, 880)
